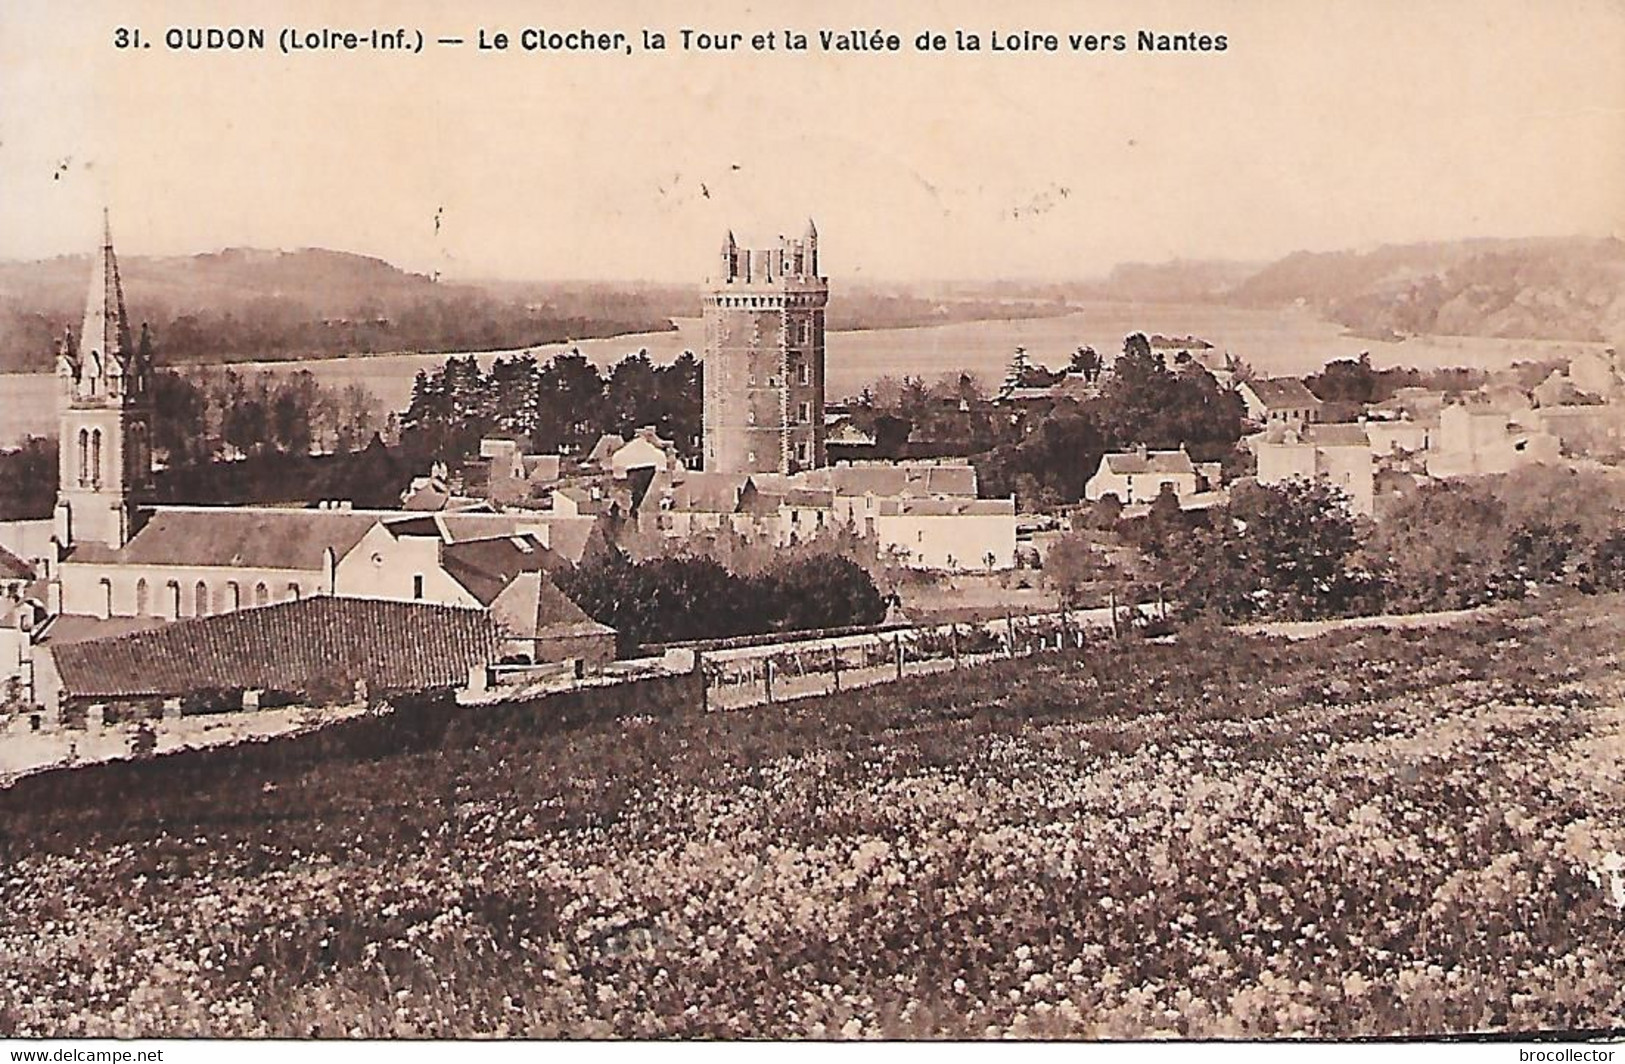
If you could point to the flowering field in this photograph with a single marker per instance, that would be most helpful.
(1369, 833)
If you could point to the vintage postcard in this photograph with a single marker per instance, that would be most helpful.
(716, 521)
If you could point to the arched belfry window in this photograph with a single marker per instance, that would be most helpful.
(84, 457)
(95, 456)
(200, 600)
(142, 606)
(262, 594)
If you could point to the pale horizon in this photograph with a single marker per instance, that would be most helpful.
(1320, 128)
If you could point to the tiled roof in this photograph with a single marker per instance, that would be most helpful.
(938, 507)
(1337, 434)
(533, 607)
(291, 646)
(1173, 462)
(567, 537)
(13, 567)
(487, 566)
(716, 493)
(78, 627)
(239, 537)
(1283, 393)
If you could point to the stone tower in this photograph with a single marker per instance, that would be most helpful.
(104, 410)
(764, 359)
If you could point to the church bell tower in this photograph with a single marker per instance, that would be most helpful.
(104, 410)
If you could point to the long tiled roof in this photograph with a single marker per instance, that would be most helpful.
(1172, 462)
(1283, 393)
(262, 538)
(393, 646)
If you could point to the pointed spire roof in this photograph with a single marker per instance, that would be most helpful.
(812, 230)
(106, 329)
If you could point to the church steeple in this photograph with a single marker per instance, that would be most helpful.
(105, 411)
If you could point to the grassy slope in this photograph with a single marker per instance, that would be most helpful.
(1369, 834)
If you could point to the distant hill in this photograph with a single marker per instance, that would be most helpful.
(243, 304)
(1179, 281)
(246, 305)
(1556, 288)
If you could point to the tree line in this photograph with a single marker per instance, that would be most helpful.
(562, 405)
(1294, 551)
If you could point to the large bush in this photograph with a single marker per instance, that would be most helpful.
(686, 597)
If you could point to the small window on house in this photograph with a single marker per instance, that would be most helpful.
(417, 586)
(805, 371)
(262, 594)
(142, 606)
(234, 596)
(200, 599)
(804, 413)
(293, 592)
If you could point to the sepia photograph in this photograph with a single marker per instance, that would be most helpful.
(1090, 522)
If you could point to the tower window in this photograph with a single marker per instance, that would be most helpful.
(84, 457)
(141, 604)
(417, 586)
(200, 600)
(96, 457)
(805, 371)
(262, 594)
(804, 413)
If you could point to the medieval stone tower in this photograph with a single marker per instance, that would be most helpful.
(764, 359)
(104, 409)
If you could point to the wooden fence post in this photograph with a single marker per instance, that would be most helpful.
(705, 684)
(953, 642)
(1111, 598)
(767, 679)
(897, 641)
(835, 665)
(1010, 630)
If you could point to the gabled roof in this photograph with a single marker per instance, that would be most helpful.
(13, 567)
(533, 607)
(1137, 462)
(938, 507)
(1337, 434)
(291, 646)
(487, 566)
(716, 493)
(79, 628)
(1282, 393)
(607, 445)
(238, 537)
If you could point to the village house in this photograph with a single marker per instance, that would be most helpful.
(926, 513)
(1599, 373)
(1140, 476)
(645, 450)
(1397, 436)
(1480, 439)
(1279, 401)
(1340, 455)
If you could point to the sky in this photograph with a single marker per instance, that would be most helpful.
(1322, 126)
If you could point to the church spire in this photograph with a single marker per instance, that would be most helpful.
(104, 339)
